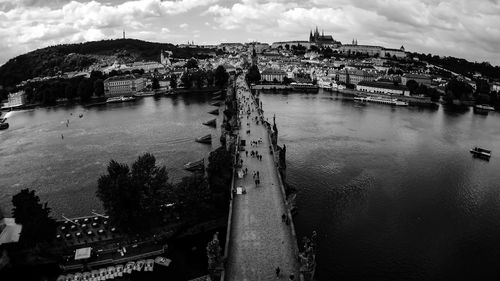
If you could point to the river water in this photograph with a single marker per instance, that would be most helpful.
(393, 193)
(64, 172)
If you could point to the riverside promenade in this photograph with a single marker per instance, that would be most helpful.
(259, 239)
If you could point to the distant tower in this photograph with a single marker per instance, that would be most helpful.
(162, 57)
(124, 34)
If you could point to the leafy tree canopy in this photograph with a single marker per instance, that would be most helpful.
(38, 226)
(133, 198)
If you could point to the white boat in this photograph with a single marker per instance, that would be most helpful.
(119, 99)
(484, 107)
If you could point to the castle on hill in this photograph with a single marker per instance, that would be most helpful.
(322, 39)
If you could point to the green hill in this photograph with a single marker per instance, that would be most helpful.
(72, 57)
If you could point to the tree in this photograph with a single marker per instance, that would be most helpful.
(191, 63)
(327, 52)
(457, 90)
(253, 75)
(85, 89)
(220, 76)
(412, 85)
(133, 198)
(482, 87)
(210, 78)
(38, 226)
(186, 79)
(155, 83)
(99, 87)
(194, 196)
(219, 171)
(69, 91)
(173, 81)
(287, 47)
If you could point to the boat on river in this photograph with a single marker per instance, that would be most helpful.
(381, 100)
(482, 109)
(216, 103)
(2, 120)
(205, 139)
(210, 123)
(481, 153)
(144, 94)
(304, 86)
(4, 126)
(119, 99)
(195, 166)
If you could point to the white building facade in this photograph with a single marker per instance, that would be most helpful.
(124, 85)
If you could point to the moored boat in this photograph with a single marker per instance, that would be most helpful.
(481, 152)
(216, 103)
(195, 166)
(119, 99)
(205, 139)
(4, 126)
(2, 120)
(144, 94)
(304, 86)
(485, 107)
(382, 100)
(210, 123)
(482, 109)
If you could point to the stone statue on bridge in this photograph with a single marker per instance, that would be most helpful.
(214, 255)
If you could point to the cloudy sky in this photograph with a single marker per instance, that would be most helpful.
(463, 28)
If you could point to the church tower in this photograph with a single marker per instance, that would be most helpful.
(310, 36)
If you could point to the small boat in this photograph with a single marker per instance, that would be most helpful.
(214, 112)
(211, 123)
(4, 126)
(485, 107)
(2, 120)
(481, 152)
(482, 109)
(81, 115)
(195, 166)
(217, 98)
(216, 103)
(205, 139)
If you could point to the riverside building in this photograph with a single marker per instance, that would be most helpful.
(125, 85)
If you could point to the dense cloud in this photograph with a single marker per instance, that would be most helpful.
(462, 28)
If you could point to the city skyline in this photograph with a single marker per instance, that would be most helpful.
(447, 28)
